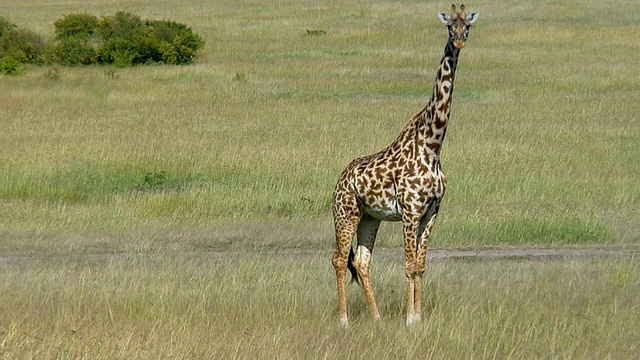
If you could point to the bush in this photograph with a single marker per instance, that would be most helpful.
(123, 25)
(5, 25)
(76, 25)
(75, 39)
(178, 43)
(9, 65)
(123, 39)
(75, 50)
(22, 45)
(129, 41)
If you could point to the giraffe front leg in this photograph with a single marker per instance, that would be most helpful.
(411, 309)
(410, 229)
(425, 233)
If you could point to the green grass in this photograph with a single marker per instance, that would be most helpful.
(541, 148)
(282, 305)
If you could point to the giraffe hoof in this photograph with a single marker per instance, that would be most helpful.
(344, 323)
(413, 320)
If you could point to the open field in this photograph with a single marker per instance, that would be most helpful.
(282, 305)
(184, 212)
(542, 147)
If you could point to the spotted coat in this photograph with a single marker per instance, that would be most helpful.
(403, 182)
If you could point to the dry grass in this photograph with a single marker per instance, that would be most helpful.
(282, 304)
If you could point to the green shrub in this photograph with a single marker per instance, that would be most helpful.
(130, 41)
(123, 39)
(75, 50)
(121, 25)
(178, 43)
(5, 25)
(76, 24)
(9, 65)
(23, 45)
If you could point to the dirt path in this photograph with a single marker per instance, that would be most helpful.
(520, 253)
(555, 253)
(507, 253)
(532, 253)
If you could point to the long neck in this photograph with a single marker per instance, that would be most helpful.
(436, 114)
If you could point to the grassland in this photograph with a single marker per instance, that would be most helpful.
(265, 306)
(184, 212)
(542, 146)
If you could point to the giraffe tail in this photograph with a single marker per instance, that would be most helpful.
(352, 268)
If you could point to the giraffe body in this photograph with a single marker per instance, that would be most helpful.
(403, 182)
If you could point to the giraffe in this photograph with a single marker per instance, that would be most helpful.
(403, 182)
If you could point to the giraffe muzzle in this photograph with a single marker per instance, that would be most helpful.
(459, 44)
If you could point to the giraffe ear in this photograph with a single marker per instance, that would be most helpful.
(443, 17)
(473, 17)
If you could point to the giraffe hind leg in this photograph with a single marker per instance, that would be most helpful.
(367, 230)
(345, 230)
(352, 268)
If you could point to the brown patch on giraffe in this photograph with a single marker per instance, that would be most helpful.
(428, 182)
(416, 182)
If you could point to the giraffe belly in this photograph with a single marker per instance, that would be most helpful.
(386, 210)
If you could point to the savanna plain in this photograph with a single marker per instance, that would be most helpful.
(185, 211)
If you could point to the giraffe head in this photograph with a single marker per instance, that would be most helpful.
(458, 24)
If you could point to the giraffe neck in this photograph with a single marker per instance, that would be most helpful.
(435, 115)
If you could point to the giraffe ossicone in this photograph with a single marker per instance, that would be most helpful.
(403, 182)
